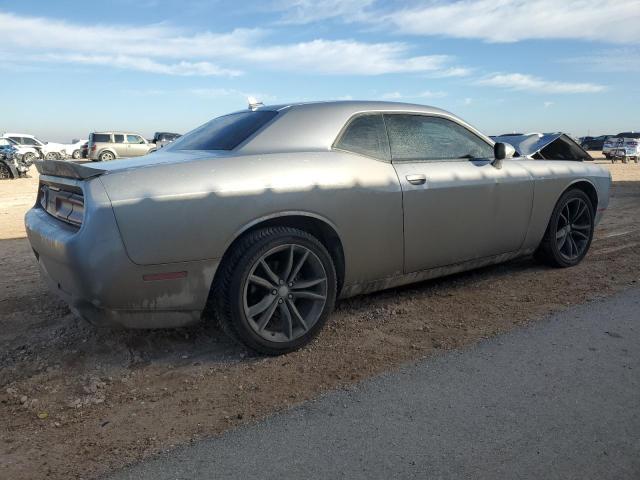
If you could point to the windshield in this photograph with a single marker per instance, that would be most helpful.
(224, 133)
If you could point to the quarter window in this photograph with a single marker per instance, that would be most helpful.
(366, 135)
(419, 137)
(134, 139)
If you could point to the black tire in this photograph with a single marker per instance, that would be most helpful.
(52, 156)
(227, 297)
(29, 157)
(549, 252)
(107, 156)
(5, 173)
(76, 154)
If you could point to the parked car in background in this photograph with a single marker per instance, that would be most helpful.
(12, 164)
(594, 143)
(84, 150)
(625, 149)
(106, 146)
(28, 154)
(74, 149)
(545, 146)
(614, 143)
(163, 138)
(262, 218)
(48, 150)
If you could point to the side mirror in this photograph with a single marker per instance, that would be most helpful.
(502, 151)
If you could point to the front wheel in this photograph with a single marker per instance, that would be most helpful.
(275, 290)
(52, 156)
(570, 231)
(5, 173)
(76, 154)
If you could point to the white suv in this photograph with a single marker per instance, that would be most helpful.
(48, 150)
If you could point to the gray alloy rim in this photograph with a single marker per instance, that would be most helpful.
(285, 293)
(51, 156)
(574, 229)
(106, 157)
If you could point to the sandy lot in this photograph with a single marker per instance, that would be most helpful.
(76, 401)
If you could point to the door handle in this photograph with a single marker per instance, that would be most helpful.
(418, 179)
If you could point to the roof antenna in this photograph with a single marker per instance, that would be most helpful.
(254, 103)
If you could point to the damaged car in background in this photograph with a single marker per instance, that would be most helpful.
(13, 164)
(46, 150)
(262, 218)
(545, 146)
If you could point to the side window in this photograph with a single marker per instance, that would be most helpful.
(419, 137)
(366, 135)
(134, 139)
(17, 140)
(30, 141)
(118, 138)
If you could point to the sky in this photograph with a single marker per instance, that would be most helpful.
(71, 67)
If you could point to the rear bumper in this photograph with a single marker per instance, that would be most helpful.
(90, 270)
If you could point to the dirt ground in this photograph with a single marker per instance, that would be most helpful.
(76, 401)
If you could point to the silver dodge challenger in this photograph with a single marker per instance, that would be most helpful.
(262, 218)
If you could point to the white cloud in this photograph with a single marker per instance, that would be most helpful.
(619, 60)
(548, 104)
(307, 11)
(346, 57)
(165, 50)
(519, 81)
(182, 68)
(425, 94)
(613, 21)
(229, 92)
(452, 72)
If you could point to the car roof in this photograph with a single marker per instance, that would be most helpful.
(314, 126)
(109, 132)
(353, 106)
(13, 134)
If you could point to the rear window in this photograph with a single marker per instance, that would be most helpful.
(223, 133)
(100, 137)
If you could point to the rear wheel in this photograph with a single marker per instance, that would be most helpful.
(106, 156)
(76, 154)
(29, 157)
(52, 156)
(275, 290)
(570, 231)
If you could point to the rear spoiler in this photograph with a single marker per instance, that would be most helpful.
(64, 169)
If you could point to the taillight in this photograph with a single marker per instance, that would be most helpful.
(93, 147)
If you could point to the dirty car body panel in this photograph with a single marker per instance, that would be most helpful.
(141, 245)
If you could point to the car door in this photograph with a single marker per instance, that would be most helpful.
(136, 146)
(457, 205)
(119, 145)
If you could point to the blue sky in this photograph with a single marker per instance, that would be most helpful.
(70, 67)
